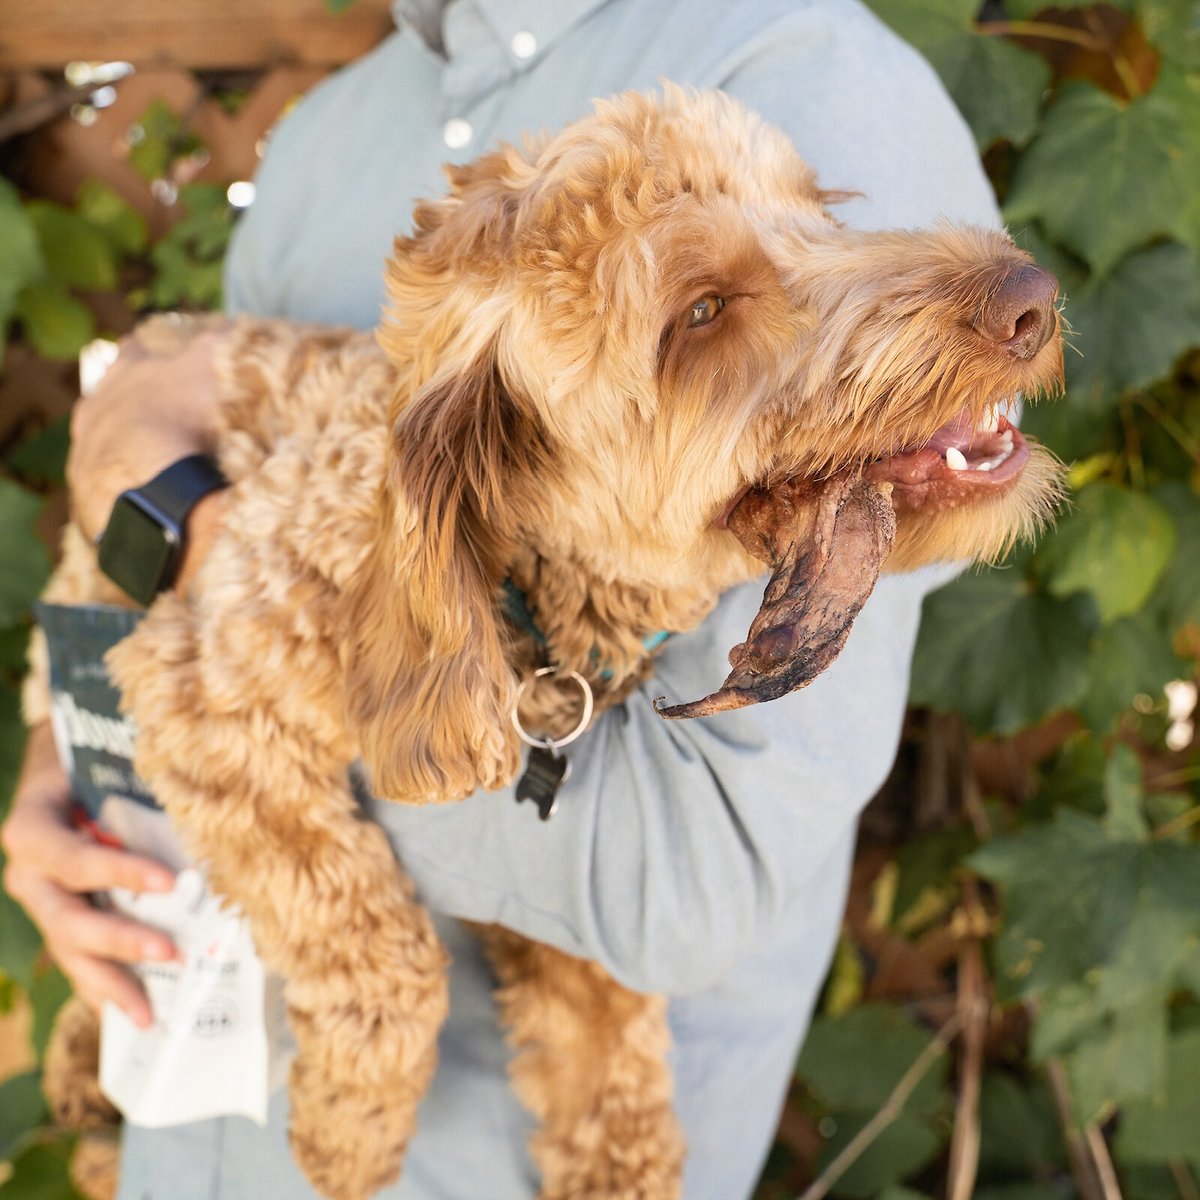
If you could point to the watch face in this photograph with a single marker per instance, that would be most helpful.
(138, 549)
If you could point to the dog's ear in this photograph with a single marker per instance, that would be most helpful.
(430, 692)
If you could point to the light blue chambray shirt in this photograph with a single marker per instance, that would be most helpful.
(707, 859)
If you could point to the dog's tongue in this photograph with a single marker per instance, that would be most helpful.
(826, 542)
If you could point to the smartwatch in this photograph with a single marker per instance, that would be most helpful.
(142, 545)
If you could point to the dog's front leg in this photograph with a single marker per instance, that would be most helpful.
(591, 1066)
(246, 751)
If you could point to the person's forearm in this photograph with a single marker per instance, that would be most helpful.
(146, 413)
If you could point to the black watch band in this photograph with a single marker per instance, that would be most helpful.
(142, 545)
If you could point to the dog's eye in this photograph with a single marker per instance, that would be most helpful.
(704, 310)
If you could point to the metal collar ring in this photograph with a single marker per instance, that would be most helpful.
(548, 743)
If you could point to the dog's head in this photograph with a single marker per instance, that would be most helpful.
(604, 340)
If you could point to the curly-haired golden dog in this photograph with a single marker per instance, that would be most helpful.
(618, 368)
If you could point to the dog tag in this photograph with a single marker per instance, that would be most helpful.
(543, 776)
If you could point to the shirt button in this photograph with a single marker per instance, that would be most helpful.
(457, 133)
(524, 44)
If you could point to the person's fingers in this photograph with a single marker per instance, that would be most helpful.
(97, 982)
(38, 838)
(72, 926)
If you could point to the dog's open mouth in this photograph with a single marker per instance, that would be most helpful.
(826, 541)
(962, 462)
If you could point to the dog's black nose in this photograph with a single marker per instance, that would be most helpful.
(1019, 314)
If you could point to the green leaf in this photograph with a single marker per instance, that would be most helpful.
(1104, 176)
(1074, 431)
(1019, 1191)
(22, 1110)
(57, 324)
(1132, 656)
(20, 942)
(1125, 334)
(1124, 796)
(161, 137)
(41, 1173)
(14, 642)
(833, 1065)
(1127, 1061)
(20, 254)
(43, 455)
(47, 994)
(902, 1148)
(1017, 1126)
(1163, 1129)
(1066, 1016)
(76, 254)
(338, 6)
(121, 224)
(928, 862)
(1163, 808)
(1113, 544)
(997, 86)
(1179, 588)
(1148, 1181)
(844, 983)
(1173, 28)
(1074, 778)
(24, 560)
(1081, 906)
(12, 746)
(980, 634)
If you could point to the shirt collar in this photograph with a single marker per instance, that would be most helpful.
(423, 16)
(545, 20)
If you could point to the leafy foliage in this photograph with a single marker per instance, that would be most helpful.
(1088, 117)
(53, 260)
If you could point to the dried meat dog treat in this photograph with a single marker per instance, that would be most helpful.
(826, 542)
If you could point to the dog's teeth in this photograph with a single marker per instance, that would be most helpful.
(990, 422)
(985, 466)
(955, 459)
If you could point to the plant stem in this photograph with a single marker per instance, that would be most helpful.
(1133, 448)
(1076, 37)
(1178, 824)
(1103, 1163)
(973, 1009)
(1184, 1182)
(1078, 1154)
(1188, 444)
(1129, 81)
(891, 1109)
(1042, 29)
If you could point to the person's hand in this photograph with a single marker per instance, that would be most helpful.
(148, 411)
(51, 868)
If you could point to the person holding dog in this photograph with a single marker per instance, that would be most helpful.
(721, 886)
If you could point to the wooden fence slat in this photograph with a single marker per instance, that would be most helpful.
(187, 33)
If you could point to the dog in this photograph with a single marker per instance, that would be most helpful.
(619, 367)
